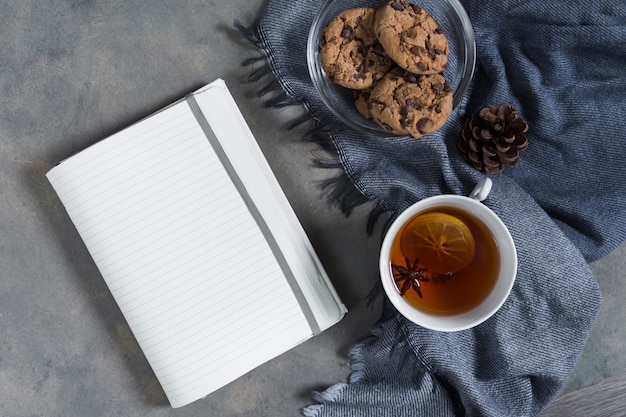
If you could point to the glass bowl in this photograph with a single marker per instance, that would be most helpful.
(450, 15)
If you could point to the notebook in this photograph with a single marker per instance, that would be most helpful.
(197, 243)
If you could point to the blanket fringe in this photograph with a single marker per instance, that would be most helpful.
(328, 395)
(319, 134)
(377, 211)
(250, 33)
(258, 74)
(342, 192)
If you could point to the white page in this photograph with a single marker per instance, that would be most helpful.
(255, 173)
(181, 254)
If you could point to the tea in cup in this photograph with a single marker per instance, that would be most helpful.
(448, 262)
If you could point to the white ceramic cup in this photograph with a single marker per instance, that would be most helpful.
(505, 278)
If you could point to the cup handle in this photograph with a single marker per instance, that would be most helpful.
(482, 189)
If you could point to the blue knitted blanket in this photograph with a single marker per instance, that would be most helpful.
(562, 64)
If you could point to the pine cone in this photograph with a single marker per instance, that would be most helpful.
(492, 137)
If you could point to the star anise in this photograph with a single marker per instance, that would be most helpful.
(410, 276)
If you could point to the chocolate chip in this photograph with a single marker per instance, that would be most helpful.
(422, 124)
(346, 32)
(439, 51)
(412, 102)
(437, 108)
(416, 8)
(397, 6)
(411, 78)
(438, 88)
(446, 87)
(415, 50)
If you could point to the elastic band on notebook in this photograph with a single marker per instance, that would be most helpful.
(278, 254)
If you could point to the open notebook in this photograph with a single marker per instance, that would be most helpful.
(197, 243)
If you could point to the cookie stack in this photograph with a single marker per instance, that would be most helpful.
(392, 57)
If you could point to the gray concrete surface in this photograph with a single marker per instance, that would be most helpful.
(73, 72)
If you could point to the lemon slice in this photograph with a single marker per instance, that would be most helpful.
(443, 243)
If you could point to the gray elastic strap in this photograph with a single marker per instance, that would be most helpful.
(271, 241)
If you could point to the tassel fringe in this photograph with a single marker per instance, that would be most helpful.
(259, 74)
(249, 33)
(343, 194)
(320, 135)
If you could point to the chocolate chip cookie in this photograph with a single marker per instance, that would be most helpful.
(349, 51)
(408, 104)
(411, 37)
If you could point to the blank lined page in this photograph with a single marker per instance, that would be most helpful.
(245, 156)
(181, 253)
